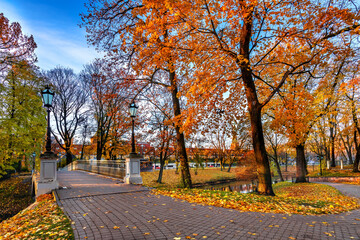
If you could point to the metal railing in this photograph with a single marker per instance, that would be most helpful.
(114, 168)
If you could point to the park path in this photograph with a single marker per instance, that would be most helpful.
(105, 208)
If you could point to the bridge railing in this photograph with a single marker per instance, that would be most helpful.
(113, 168)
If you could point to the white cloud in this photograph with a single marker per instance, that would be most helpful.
(57, 45)
(54, 48)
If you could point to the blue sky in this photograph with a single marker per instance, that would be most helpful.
(54, 25)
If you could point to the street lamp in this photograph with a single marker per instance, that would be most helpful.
(48, 96)
(33, 162)
(48, 160)
(133, 109)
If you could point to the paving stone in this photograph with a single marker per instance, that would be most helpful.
(98, 204)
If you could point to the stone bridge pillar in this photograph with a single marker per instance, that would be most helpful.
(48, 174)
(132, 164)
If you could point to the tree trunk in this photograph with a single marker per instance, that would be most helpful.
(349, 153)
(98, 148)
(82, 151)
(68, 156)
(347, 147)
(230, 164)
(162, 163)
(180, 138)
(357, 159)
(357, 156)
(300, 164)
(277, 164)
(261, 158)
(262, 161)
(332, 142)
(221, 163)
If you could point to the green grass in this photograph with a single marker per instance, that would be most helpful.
(171, 179)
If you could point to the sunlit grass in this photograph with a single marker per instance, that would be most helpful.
(335, 172)
(171, 179)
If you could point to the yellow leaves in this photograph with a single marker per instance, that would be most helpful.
(306, 199)
(44, 221)
(116, 227)
(329, 234)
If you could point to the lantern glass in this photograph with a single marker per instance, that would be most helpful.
(47, 96)
(133, 109)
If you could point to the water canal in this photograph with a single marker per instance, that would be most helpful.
(239, 186)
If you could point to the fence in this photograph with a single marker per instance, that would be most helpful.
(113, 168)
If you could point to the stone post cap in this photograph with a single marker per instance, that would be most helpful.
(48, 156)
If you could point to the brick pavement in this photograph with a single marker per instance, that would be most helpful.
(81, 184)
(138, 214)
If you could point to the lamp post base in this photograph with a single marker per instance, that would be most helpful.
(48, 174)
(132, 164)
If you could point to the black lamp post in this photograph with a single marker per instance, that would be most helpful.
(48, 96)
(133, 109)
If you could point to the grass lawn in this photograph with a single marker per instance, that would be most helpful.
(336, 172)
(14, 196)
(291, 198)
(171, 179)
(43, 220)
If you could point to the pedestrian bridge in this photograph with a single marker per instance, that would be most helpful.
(113, 168)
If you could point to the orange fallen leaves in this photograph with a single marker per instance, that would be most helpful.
(43, 220)
(305, 199)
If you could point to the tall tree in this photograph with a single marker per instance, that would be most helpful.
(108, 104)
(161, 131)
(22, 116)
(126, 44)
(259, 44)
(14, 45)
(350, 89)
(275, 141)
(68, 106)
